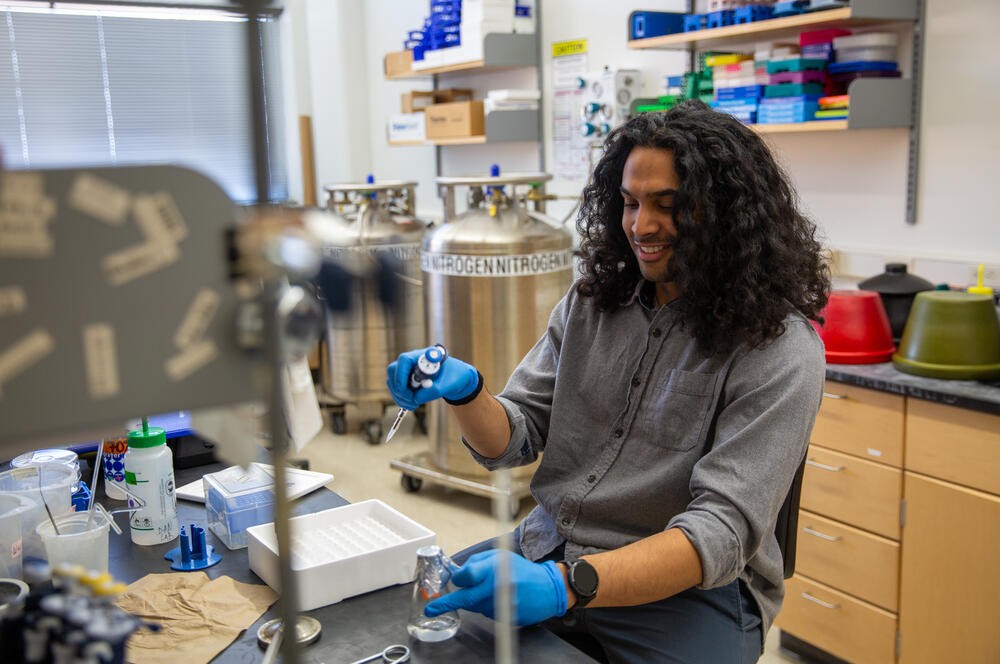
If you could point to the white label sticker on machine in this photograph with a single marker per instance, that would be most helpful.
(517, 265)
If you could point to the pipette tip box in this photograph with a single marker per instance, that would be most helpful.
(236, 499)
(342, 552)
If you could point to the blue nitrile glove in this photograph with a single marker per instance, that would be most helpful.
(457, 382)
(538, 588)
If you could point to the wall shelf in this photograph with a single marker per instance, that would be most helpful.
(501, 127)
(500, 51)
(861, 12)
(876, 103)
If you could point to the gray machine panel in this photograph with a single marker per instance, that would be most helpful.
(114, 301)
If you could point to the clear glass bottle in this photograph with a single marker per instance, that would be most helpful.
(433, 580)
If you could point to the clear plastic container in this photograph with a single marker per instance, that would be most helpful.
(867, 47)
(54, 482)
(82, 540)
(12, 507)
(237, 499)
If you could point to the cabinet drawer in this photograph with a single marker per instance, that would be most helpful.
(859, 421)
(954, 444)
(858, 492)
(837, 623)
(851, 560)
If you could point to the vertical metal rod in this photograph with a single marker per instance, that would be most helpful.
(288, 604)
(913, 156)
(505, 633)
(258, 115)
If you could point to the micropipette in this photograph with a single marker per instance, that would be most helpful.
(428, 366)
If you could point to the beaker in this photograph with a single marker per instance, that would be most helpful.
(433, 580)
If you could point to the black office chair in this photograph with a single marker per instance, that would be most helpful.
(787, 525)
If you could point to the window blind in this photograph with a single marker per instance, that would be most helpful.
(98, 86)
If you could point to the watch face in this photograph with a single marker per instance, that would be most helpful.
(584, 578)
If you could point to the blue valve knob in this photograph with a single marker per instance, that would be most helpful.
(588, 129)
(592, 107)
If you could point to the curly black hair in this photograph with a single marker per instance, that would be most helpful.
(744, 255)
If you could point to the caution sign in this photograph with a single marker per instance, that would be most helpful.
(517, 265)
(571, 47)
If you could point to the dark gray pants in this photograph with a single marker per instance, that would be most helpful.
(716, 626)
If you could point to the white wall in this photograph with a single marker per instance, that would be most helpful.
(852, 183)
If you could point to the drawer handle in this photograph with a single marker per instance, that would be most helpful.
(825, 605)
(831, 395)
(823, 466)
(828, 538)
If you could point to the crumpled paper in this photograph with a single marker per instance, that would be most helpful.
(199, 617)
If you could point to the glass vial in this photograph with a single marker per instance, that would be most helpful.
(433, 580)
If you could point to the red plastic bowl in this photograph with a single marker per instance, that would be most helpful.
(856, 328)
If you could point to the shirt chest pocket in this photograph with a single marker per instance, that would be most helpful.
(675, 409)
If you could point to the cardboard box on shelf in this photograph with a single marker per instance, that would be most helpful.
(449, 95)
(406, 127)
(455, 120)
(417, 101)
(398, 63)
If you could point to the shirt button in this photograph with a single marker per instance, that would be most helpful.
(657, 332)
(565, 522)
(591, 478)
(618, 432)
(636, 381)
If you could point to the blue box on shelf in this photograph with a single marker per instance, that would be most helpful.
(751, 13)
(445, 6)
(796, 111)
(741, 92)
(643, 24)
(862, 65)
(693, 22)
(790, 7)
(719, 19)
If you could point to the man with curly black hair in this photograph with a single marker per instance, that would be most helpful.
(673, 394)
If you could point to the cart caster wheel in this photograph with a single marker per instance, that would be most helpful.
(373, 432)
(338, 423)
(411, 484)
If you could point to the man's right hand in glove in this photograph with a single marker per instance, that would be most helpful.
(457, 382)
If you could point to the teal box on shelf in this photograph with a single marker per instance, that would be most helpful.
(237, 499)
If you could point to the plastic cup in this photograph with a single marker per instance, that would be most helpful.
(82, 540)
(12, 507)
(55, 482)
(856, 328)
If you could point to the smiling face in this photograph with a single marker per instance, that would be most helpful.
(649, 183)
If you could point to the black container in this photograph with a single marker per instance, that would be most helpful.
(897, 288)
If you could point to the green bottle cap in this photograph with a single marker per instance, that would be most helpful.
(147, 436)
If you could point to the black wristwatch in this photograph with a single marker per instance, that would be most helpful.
(583, 580)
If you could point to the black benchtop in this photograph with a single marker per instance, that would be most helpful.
(971, 394)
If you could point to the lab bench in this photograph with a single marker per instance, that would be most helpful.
(353, 628)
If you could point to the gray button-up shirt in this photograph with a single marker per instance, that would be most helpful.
(642, 431)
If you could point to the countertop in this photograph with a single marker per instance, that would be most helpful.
(973, 395)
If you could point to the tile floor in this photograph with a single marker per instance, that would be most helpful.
(361, 471)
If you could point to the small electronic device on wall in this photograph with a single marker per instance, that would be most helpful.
(606, 98)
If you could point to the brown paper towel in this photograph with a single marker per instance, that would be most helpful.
(198, 616)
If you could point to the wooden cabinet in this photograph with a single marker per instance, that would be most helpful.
(899, 532)
(950, 572)
(845, 593)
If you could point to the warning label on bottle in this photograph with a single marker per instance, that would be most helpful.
(518, 265)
